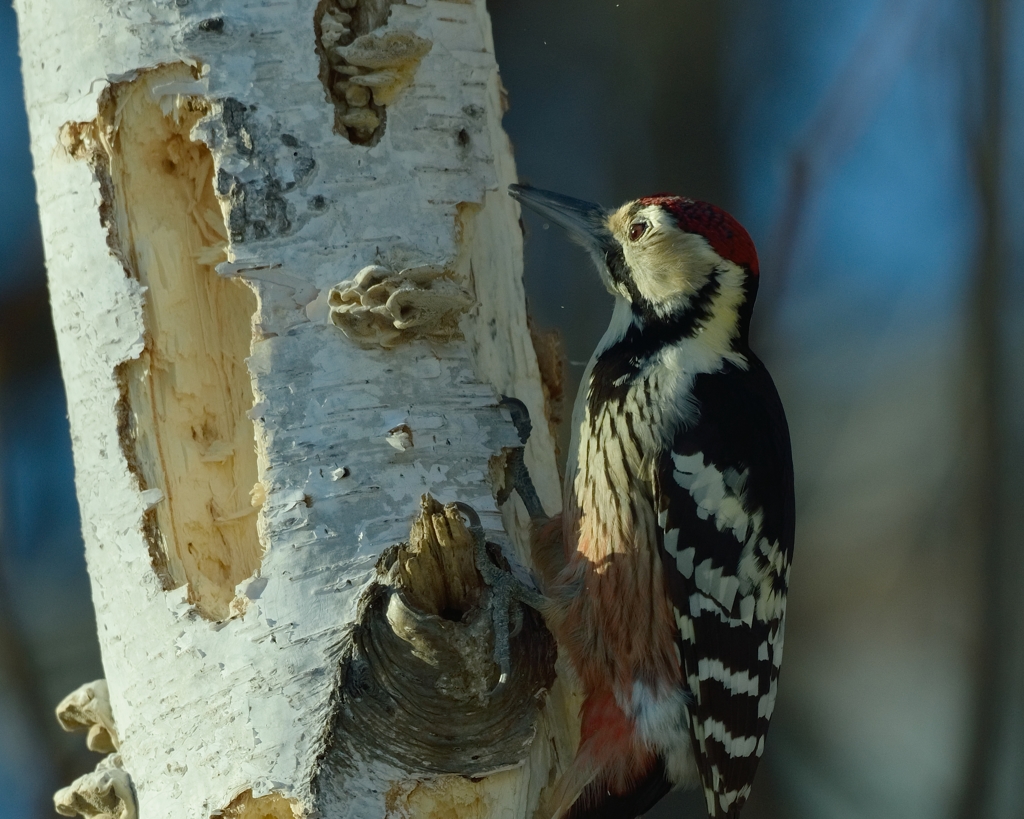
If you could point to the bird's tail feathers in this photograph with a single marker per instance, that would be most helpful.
(571, 784)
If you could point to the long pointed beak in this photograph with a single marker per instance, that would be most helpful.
(584, 221)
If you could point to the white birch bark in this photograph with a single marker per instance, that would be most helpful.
(204, 179)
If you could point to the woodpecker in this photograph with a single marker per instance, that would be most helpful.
(678, 515)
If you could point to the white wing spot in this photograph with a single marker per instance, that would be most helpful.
(709, 579)
(684, 562)
(685, 625)
(700, 602)
(766, 704)
(738, 682)
(720, 495)
(734, 746)
(747, 609)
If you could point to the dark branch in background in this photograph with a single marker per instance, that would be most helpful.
(998, 637)
(841, 118)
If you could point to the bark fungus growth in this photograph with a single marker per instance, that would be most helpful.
(106, 793)
(87, 708)
(363, 72)
(183, 415)
(387, 307)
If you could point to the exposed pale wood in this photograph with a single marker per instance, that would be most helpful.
(184, 400)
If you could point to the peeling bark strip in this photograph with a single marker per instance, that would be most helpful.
(186, 397)
(212, 157)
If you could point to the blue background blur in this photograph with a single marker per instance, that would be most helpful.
(844, 135)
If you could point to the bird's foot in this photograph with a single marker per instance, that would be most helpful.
(507, 592)
(517, 476)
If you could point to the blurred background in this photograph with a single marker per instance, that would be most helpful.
(875, 151)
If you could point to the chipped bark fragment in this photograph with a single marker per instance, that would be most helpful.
(420, 684)
(400, 437)
(270, 806)
(552, 361)
(183, 423)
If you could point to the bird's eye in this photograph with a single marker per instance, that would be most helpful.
(636, 230)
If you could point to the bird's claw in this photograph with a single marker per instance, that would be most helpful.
(517, 476)
(520, 416)
(506, 591)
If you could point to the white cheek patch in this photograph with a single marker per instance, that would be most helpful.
(668, 265)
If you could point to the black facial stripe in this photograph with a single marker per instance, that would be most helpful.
(619, 365)
(615, 261)
(699, 307)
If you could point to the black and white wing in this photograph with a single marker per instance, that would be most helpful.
(726, 515)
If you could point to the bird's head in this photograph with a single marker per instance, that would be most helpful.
(684, 265)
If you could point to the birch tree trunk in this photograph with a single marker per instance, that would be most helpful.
(286, 282)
